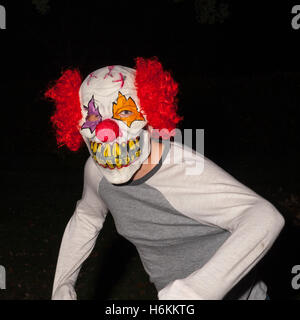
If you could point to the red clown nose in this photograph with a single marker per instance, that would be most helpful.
(107, 131)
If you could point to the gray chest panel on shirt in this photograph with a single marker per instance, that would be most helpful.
(171, 245)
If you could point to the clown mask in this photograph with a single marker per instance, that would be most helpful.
(112, 125)
(110, 110)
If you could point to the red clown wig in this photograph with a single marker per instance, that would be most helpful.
(157, 94)
(66, 118)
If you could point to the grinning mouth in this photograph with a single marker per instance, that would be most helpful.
(116, 155)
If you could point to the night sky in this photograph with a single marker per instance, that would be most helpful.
(239, 80)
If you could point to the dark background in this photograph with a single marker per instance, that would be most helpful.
(237, 65)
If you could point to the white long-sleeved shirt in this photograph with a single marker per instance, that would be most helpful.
(197, 229)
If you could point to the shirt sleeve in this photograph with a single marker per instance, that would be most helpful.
(216, 198)
(80, 235)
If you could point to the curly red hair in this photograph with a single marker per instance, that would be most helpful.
(157, 92)
(65, 93)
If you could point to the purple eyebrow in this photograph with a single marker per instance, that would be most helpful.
(92, 110)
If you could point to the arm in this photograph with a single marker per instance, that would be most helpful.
(254, 223)
(80, 235)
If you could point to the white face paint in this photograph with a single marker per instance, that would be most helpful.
(112, 125)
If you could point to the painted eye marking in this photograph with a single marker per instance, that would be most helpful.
(126, 110)
(93, 116)
(125, 113)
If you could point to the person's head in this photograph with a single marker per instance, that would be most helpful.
(115, 110)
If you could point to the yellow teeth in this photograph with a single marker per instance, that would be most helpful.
(95, 147)
(138, 153)
(116, 155)
(109, 163)
(127, 160)
(118, 163)
(137, 142)
(131, 144)
(107, 151)
(116, 151)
